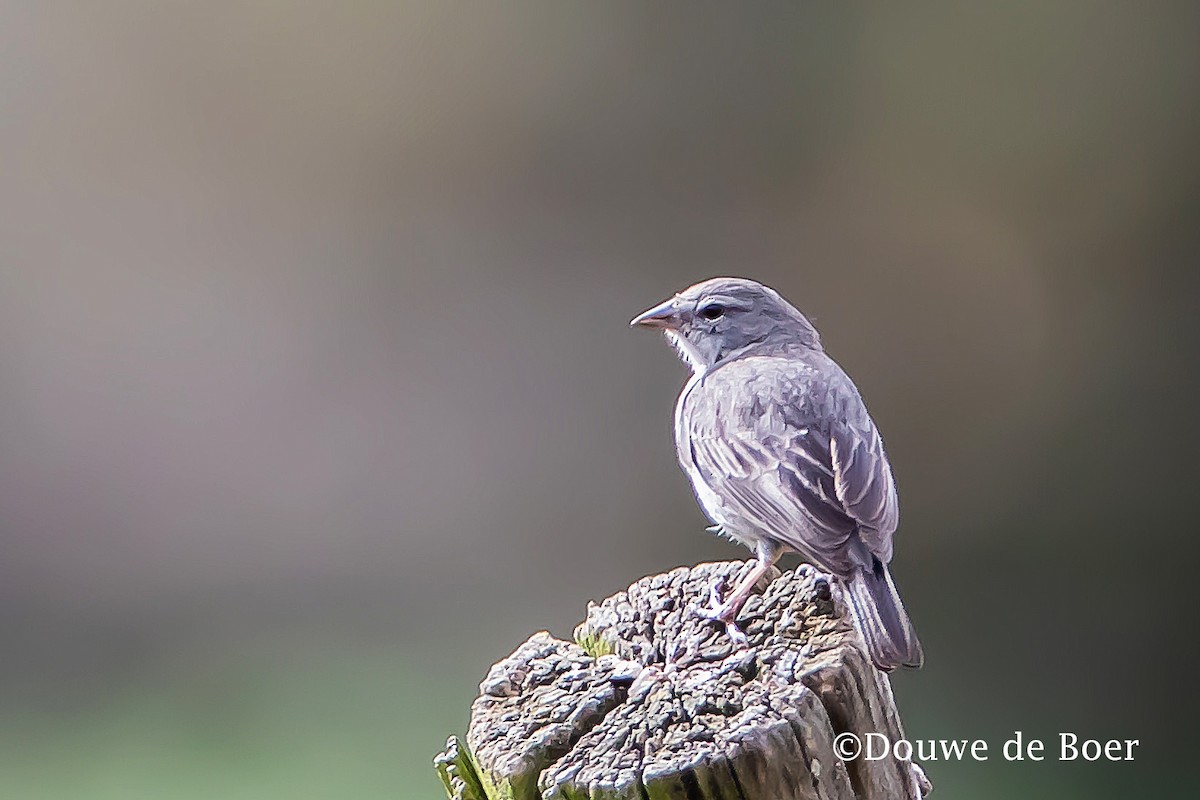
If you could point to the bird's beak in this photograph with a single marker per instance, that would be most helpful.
(664, 315)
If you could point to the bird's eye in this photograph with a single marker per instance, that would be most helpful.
(713, 311)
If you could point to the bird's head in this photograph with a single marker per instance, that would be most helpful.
(721, 317)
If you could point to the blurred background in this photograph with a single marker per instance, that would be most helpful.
(317, 396)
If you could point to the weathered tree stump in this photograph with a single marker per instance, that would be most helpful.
(651, 701)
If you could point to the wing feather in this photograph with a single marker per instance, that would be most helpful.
(864, 485)
(788, 450)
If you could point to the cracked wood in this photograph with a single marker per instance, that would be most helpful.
(651, 701)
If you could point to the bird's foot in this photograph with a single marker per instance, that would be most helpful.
(726, 613)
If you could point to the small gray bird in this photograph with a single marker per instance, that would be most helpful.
(782, 453)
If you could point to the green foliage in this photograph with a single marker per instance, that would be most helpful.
(594, 644)
(456, 767)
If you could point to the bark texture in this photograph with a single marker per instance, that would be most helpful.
(652, 701)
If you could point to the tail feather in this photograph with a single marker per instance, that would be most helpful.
(881, 620)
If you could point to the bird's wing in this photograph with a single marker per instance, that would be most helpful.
(863, 482)
(772, 439)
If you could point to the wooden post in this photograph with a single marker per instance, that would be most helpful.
(652, 701)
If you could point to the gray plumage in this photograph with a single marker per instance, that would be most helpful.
(782, 453)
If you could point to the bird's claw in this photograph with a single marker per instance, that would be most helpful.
(725, 613)
(736, 635)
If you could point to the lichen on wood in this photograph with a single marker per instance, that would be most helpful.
(653, 701)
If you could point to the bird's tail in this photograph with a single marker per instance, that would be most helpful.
(881, 619)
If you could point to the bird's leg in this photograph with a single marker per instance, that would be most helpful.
(726, 610)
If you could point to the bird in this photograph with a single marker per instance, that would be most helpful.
(782, 454)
